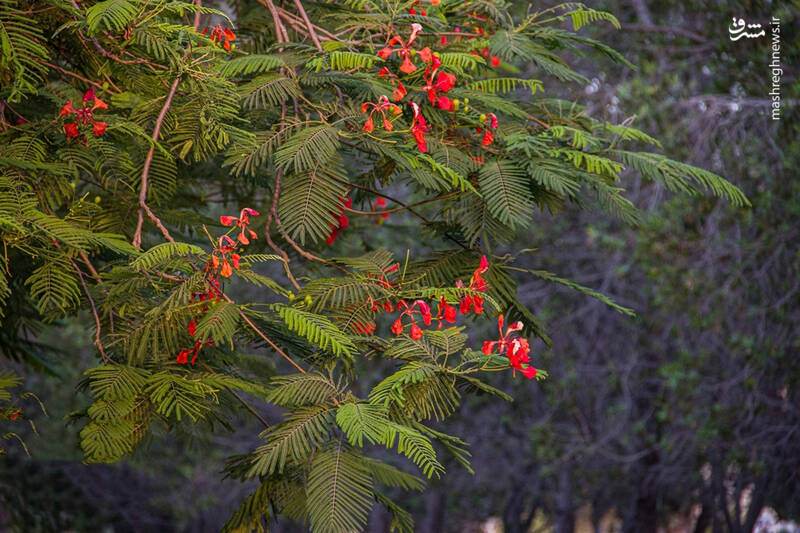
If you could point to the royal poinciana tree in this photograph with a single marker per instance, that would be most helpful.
(128, 127)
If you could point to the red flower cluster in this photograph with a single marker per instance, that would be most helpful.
(242, 223)
(517, 350)
(342, 221)
(183, 356)
(218, 266)
(445, 312)
(413, 9)
(84, 115)
(478, 284)
(493, 59)
(381, 107)
(222, 35)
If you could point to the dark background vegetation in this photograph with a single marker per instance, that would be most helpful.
(686, 416)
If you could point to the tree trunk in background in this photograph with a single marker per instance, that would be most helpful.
(434, 512)
(565, 514)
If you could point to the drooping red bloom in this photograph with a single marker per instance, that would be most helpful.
(399, 92)
(419, 127)
(342, 220)
(84, 115)
(517, 350)
(222, 35)
(242, 222)
(474, 302)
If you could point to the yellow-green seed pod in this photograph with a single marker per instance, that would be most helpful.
(307, 300)
(482, 118)
(456, 103)
(291, 296)
(97, 199)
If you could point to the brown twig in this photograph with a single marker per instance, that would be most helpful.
(143, 207)
(309, 25)
(97, 341)
(273, 213)
(263, 336)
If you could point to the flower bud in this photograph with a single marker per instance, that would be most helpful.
(482, 118)
(97, 199)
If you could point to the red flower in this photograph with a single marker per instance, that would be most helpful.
(192, 328)
(381, 107)
(495, 61)
(84, 115)
(242, 222)
(404, 51)
(517, 350)
(223, 35)
(15, 414)
(488, 138)
(416, 332)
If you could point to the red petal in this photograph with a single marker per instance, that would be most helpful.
(192, 327)
(226, 270)
(235, 260)
(445, 82)
(397, 327)
(529, 372)
(488, 138)
(99, 104)
(425, 54)
(226, 220)
(484, 264)
(229, 34)
(88, 95)
(71, 129)
(416, 332)
(243, 238)
(495, 61)
(384, 53)
(445, 103)
(369, 125)
(407, 66)
(488, 347)
(99, 128)
(387, 125)
(67, 109)
(183, 357)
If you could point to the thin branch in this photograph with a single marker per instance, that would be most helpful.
(97, 341)
(263, 336)
(273, 213)
(239, 398)
(143, 207)
(309, 25)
